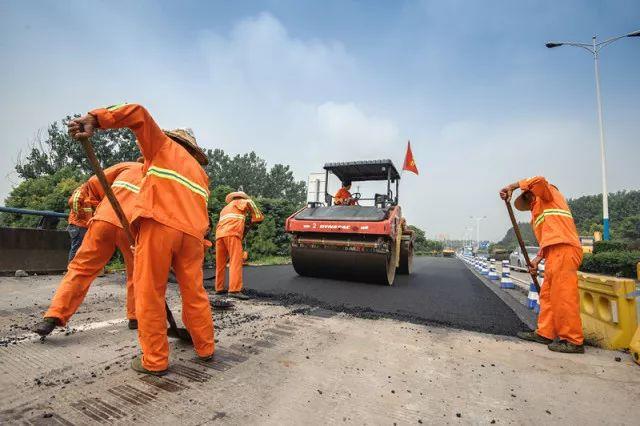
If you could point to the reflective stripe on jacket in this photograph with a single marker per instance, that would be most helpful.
(174, 190)
(80, 207)
(233, 217)
(551, 218)
(125, 179)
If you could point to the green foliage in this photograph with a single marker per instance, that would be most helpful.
(424, 246)
(617, 263)
(55, 150)
(261, 242)
(624, 212)
(629, 228)
(609, 246)
(49, 192)
(249, 172)
(269, 237)
(510, 242)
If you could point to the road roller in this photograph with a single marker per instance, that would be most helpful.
(368, 241)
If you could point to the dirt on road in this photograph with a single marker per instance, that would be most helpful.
(294, 364)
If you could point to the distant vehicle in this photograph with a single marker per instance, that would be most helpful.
(516, 258)
(587, 243)
(500, 254)
(448, 252)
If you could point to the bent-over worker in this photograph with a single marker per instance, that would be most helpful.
(559, 323)
(229, 234)
(170, 217)
(104, 235)
(343, 196)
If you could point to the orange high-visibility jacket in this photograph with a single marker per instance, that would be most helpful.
(174, 190)
(551, 218)
(341, 196)
(125, 180)
(81, 207)
(232, 217)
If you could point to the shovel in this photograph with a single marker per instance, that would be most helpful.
(516, 229)
(174, 331)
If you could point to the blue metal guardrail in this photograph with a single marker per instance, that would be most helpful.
(48, 219)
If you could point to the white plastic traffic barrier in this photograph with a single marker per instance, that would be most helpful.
(505, 280)
(506, 269)
(493, 274)
(533, 298)
(485, 268)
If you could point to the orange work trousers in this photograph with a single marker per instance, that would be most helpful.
(158, 248)
(229, 249)
(559, 299)
(98, 246)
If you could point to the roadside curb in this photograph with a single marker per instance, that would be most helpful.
(525, 315)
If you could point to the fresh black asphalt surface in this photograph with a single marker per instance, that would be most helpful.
(440, 291)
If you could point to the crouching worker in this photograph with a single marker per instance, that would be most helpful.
(103, 236)
(171, 219)
(229, 234)
(559, 323)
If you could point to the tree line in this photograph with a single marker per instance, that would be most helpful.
(55, 165)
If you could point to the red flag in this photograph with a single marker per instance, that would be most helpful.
(409, 163)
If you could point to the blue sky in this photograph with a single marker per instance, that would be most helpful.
(302, 83)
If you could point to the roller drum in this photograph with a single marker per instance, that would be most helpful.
(344, 264)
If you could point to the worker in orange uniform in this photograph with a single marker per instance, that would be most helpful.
(104, 235)
(559, 323)
(81, 211)
(229, 234)
(343, 196)
(171, 220)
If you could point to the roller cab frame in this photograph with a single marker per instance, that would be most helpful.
(358, 243)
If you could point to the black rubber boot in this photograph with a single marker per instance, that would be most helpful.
(133, 324)
(532, 336)
(566, 347)
(205, 358)
(238, 295)
(46, 326)
(221, 292)
(136, 364)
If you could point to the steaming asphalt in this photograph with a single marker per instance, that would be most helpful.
(440, 291)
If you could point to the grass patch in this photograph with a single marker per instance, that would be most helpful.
(270, 260)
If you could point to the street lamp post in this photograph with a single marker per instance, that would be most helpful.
(594, 48)
(477, 219)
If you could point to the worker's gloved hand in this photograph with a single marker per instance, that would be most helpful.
(83, 127)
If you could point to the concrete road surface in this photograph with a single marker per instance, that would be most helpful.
(440, 291)
(292, 364)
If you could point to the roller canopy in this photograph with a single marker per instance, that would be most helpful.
(363, 170)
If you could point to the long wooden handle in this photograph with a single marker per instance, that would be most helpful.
(95, 164)
(516, 229)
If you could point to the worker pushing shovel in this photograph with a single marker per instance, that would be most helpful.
(170, 217)
(105, 233)
(559, 323)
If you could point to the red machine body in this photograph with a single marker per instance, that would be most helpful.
(355, 242)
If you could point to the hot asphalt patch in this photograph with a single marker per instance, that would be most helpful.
(440, 291)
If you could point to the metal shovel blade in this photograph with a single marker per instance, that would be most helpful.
(179, 333)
